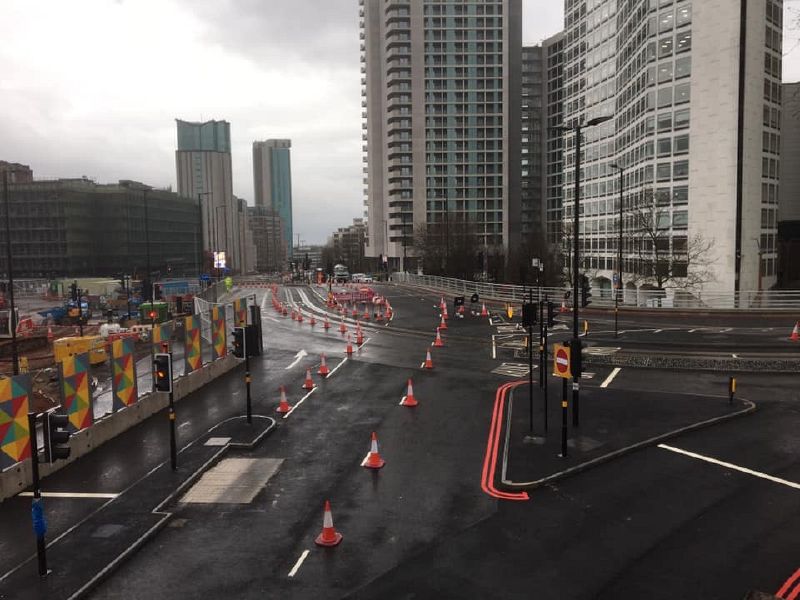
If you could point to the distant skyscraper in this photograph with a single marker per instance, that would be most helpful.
(203, 161)
(441, 97)
(272, 182)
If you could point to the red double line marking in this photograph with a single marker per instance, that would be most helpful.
(490, 460)
(787, 586)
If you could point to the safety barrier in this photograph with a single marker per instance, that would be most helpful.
(676, 298)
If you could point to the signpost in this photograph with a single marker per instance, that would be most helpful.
(562, 368)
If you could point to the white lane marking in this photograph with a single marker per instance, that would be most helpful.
(610, 378)
(299, 402)
(494, 349)
(422, 365)
(101, 495)
(657, 330)
(299, 563)
(726, 330)
(264, 302)
(297, 358)
(366, 341)
(728, 465)
(734, 356)
(336, 368)
(692, 330)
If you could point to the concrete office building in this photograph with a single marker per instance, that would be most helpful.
(267, 229)
(789, 191)
(441, 98)
(203, 162)
(272, 182)
(76, 227)
(694, 89)
(532, 208)
(553, 151)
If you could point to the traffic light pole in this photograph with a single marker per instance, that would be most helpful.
(173, 442)
(12, 317)
(247, 378)
(37, 506)
(530, 362)
(543, 363)
(576, 342)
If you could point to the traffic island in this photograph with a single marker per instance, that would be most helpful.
(612, 424)
(81, 558)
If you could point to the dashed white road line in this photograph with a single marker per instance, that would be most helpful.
(728, 465)
(299, 563)
(299, 402)
(610, 378)
(336, 368)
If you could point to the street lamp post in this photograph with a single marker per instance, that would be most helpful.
(199, 240)
(575, 349)
(618, 291)
(12, 319)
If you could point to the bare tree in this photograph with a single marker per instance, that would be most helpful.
(449, 247)
(567, 246)
(663, 258)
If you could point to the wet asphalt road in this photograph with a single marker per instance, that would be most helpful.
(652, 524)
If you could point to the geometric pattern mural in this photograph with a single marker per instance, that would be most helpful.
(162, 333)
(76, 398)
(15, 438)
(192, 351)
(123, 374)
(218, 347)
(240, 312)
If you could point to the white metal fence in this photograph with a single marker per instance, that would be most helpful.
(602, 297)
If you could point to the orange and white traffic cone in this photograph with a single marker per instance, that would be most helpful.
(563, 306)
(428, 360)
(442, 304)
(283, 406)
(484, 312)
(309, 383)
(438, 343)
(373, 460)
(443, 324)
(312, 321)
(388, 312)
(359, 336)
(795, 334)
(342, 327)
(50, 333)
(326, 324)
(366, 313)
(299, 317)
(349, 348)
(324, 371)
(408, 399)
(354, 312)
(379, 315)
(285, 311)
(329, 536)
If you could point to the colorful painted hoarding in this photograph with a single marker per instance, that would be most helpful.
(15, 438)
(193, 349)
(218, 346)
(123, 364)
(76, 396)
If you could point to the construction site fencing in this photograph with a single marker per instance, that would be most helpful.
(603, 297)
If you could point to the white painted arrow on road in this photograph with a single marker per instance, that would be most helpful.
(297, 358)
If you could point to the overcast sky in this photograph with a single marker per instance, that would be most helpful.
(92, 87)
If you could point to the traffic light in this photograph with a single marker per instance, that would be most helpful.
(179, 304)
(73, 291)
(585, 292)
(551, 314)
(157, 291)
(152, 314)
(162, 371)
(238, 342)
(56, 436)
(529, 314)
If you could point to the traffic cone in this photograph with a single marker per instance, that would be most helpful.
(443, 324)
(299, 317)
(438, 343)
(388, 312)
(484, 312)
(312, 321)
(349, 349)
(445, 316)
(50, 333)
(283, 407)
(354, 312)
(329, 535)
(285, 310)
(442, 304)
(408, 399)
(326, 324)
(373, 460)
(308, 384)
(359, 336)
(343, 327)
(428, 361)
(323, 368)
(795, 334)
(379, 315)
(366, 313)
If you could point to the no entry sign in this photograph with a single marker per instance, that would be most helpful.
(561, 361)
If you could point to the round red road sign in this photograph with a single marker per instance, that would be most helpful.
(562, 360)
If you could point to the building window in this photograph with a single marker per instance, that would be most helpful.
(680, 195)
(681, 169)
(683, 67)
(664, 97)
(684, 16)
(683, 41)
(680, 219)
(682, 93)
(681, 118)
(665, 47)
(664, 72)
(664, 147)
(665, 121)
(663, 171)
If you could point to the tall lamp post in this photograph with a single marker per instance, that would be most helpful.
(12, 319)
(575, 349)
(199, 241)
(618, 291)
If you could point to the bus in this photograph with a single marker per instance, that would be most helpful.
(340, 274)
